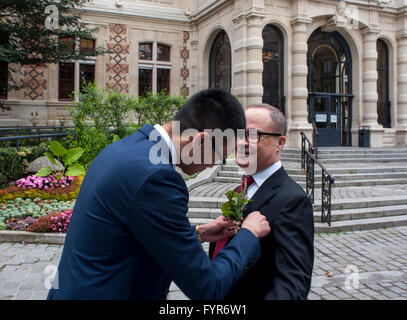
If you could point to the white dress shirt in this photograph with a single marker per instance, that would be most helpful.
(169, 143)
(260, 177)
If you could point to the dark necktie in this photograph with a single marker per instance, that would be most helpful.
(221, 243)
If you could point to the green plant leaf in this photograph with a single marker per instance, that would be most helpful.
(50, 157)
(57, 149)
(44, 172)
(115, 138)
(72, 155)
(75, 169)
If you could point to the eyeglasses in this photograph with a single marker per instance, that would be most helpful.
(253, 136)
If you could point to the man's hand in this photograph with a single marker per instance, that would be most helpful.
(257, 224)
(217, 229)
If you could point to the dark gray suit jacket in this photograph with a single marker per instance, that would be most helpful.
(284, 269)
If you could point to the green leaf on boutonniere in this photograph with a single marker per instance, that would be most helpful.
(236, 204)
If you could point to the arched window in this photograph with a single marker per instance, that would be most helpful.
(383, 103)
(273, 67)
(220, 63)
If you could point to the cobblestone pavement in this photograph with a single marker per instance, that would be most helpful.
(364, 265)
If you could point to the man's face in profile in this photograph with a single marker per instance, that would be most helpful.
(260, 151)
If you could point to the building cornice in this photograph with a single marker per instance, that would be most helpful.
(136, 9)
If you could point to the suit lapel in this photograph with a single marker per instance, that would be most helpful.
(266, 191)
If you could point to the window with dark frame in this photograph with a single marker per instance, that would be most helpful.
(163, 53)
(66, 80)
(154, 68)
(383, 85)
(4, 69)
(67, 70)
(86, 74)
(145, 81)
(146, 51)
(273, 72)
(163, 80)
(220, 66)
(87, 46)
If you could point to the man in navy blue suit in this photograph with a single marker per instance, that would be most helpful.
(129, 235)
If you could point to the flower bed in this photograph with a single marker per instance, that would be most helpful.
(34, 215)
(63, 192)
(44, 183)
(39, 204)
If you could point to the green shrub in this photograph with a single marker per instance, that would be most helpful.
(101, 114)
(13, 163)
(158, 108)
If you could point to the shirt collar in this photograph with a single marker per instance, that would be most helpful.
(260, 177)
(168, 141)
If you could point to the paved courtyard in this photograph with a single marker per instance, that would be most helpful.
(361, 265)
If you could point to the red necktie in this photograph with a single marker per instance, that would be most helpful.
(221, 243)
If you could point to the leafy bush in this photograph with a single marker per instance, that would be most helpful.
(157, 108)
(97, 110)
(101, 113)
(91, 140)
(13, 163)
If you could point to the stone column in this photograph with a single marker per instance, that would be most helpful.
(298, 119)
(254, 67)
(401, 117)
(370, 96)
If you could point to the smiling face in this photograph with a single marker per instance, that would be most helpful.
(268, 149)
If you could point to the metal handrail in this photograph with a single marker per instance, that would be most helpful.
(315, 135)
(308, 160)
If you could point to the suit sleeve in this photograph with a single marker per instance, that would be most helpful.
(160, 224)
(293, 231)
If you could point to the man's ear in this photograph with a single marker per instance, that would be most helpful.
(281, 141)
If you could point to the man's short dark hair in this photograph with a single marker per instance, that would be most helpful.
(211, 109)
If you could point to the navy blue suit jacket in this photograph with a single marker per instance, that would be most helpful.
(129, 235)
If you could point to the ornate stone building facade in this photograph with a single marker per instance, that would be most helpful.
(340, 64)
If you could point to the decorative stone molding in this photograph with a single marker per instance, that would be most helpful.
(184, 69)
(117, 68)
(34, 82)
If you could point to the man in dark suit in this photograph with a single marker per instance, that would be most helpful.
(129, 235)
(287, 254)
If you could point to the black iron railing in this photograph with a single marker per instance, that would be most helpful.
(308, 161)
(19, 134)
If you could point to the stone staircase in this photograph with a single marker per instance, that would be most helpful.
(369, 192)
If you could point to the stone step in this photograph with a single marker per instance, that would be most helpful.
(364, 213)
(334, 171)
(360, 203)
(344, 150)
(337, 184)
(365, 160)
(336, 204)
(336, 215)
(199, 221)
(358, 183)
(342, 225)
(362, 156)
(299, 175)
(362, 224)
